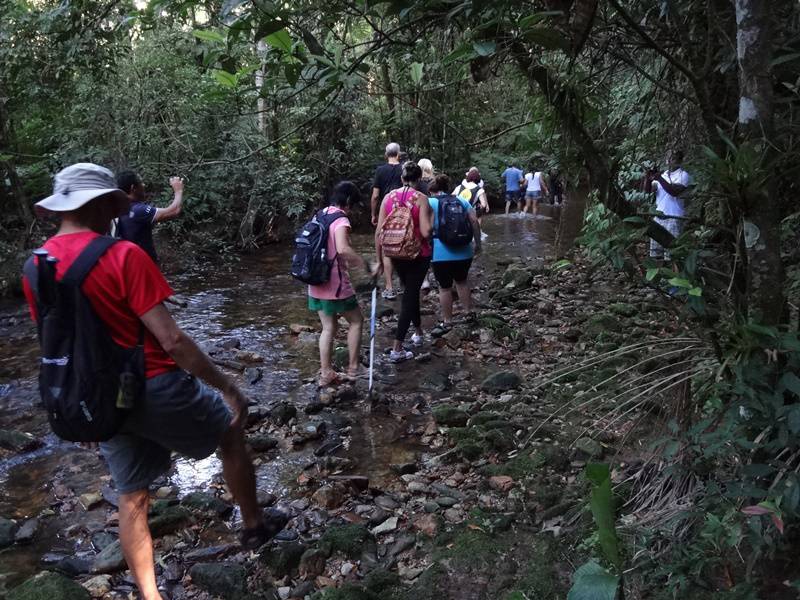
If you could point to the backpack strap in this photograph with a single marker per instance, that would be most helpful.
(31, 273)
(87, 259)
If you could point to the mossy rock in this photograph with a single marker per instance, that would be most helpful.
(519, 467)
(471, 450)
(623, 309)
(346, 539)
(283, 559)
(504, 424)
(602, 323)
(450, 416)
(380, 580)
(49, 586)
(478, 419)
(206, 503)
(348, 591)
(555, 457)
(499, 439)
(169, 521)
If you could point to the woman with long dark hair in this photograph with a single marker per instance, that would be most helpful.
(410, 265)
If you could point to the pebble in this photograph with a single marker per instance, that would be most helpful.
(347, 568)
(98, 586)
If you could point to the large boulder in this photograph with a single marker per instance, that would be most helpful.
(110, 559)
(49, 586)
(8, 531)
(517, 277)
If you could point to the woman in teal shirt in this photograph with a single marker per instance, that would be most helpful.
(451, 264)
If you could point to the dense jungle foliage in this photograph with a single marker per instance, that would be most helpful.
(263, 106)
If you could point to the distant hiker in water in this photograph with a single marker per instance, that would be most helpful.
(427, 175)
(405, 221)
(453, 251)
(337, 296)
(179, 411)
(472, 191)
(387, 178)
(535, 190)
(137, 224)
(556, 187)
(513, 179)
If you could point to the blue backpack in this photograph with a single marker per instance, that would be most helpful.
(310, 262)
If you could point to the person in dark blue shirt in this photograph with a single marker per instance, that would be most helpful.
(137, 225)
(513, 177)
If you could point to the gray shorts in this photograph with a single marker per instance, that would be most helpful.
(675, 227)
(178, 414)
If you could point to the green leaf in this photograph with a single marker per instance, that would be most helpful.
(485, 48)
(790, 382)
(601, 503)
(651, 274)
(207, 35)
(561, 264)
(679, 282)
(536, 18)
(280, 40)
(416, 72)
(593, 582)
(547, 37)
(696, 291)
(224, 78)
(462, 53)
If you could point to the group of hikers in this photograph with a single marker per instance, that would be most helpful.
(528, 190)
(117, 370)
(421, 221)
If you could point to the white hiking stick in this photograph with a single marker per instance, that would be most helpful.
(372, 340)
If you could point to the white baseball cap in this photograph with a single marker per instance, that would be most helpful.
(77, 184)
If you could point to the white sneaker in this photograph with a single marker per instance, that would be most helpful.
(416, 340)
(400, 356)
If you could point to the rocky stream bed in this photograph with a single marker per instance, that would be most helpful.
(462, 482)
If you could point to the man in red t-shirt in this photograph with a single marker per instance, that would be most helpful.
(179, 412)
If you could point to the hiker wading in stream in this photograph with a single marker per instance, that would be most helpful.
(404, 228)
(387, 178)
(177, 412)
(451, 262)
(336, 296)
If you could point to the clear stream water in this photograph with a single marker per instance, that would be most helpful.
(253, 300)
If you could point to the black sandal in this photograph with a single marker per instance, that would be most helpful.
(255, 537)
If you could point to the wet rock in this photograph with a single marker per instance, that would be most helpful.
(27, 532)
(329, 446)
(101, 539)
(98, 586)
(404, 468)
(357, 482)
(502, 381)
(589, 448)
(169, 521)
(501, 483)
(247, 356)
(516, 277)
(387, 526)
(312, 563)
(48, 586)
(8, 531)
(329, 496)
(282, 413)
(431, 507)
(209, 553)
(427, 524)
(253, 375)
(17, 441)
(314, 407)
(90, 500)
(231, 344)
(283, 559)
(227, 580)
(297, 328)
(265, 498)
(261, 442)
(110, 559)
(403, 543)
(387, 502)
(308, 337)
(450, 416)
(448, 491)
(445, 501)
(206, 503)
(70, 566)
(378, 516)
(256, 414)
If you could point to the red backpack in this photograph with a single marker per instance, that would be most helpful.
(398, 238)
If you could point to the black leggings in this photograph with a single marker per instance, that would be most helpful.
(412, 274)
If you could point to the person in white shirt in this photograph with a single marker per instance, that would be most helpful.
(536, 189)
(668, 188)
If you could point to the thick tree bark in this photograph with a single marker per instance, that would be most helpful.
(755, 124)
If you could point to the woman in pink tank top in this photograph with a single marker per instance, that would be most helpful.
(412, 272)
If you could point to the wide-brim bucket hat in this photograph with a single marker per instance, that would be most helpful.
(80, 183)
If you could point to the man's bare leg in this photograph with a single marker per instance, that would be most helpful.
(240, 476)
(136, 542)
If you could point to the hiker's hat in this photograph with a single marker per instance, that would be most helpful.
(77, 184)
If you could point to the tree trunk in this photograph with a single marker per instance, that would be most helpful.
(7, 163)
(755, 123)
(391, 118)
(261, 51)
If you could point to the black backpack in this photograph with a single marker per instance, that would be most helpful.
(87, 382)
(310, 262)
(455, 228)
